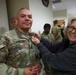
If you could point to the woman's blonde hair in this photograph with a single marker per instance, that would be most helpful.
(69, 24)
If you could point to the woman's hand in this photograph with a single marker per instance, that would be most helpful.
(35, 40)
(37, 35)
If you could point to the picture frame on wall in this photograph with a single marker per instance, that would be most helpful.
(45, 3)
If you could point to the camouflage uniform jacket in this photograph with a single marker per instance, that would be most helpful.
(49, 37)
(56, 31)
(18, 52)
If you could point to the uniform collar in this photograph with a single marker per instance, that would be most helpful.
(21, 35)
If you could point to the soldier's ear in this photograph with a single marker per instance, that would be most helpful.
(13, 22)
(16, 22)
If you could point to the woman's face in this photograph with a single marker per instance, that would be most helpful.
(71, 32)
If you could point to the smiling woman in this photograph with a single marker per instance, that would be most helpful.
(45, 2)
(59, 56)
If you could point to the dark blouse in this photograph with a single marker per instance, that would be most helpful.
(61, 57)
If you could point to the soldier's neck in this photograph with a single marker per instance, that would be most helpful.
(24, 31)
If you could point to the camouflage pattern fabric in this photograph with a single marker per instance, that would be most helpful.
(49, 37)
(56, 31)
(18, 52)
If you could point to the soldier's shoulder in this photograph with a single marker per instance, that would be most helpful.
(9, 33)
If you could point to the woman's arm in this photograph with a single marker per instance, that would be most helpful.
(64, 61)
(51, 46)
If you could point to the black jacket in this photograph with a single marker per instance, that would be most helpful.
(61, 57)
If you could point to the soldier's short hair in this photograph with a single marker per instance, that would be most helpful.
(55, 22)
(47, 25)
(22, 9)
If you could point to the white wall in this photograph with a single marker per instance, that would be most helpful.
(3, 17)
(61, 15)
(41, 14)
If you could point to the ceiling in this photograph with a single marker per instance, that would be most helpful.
(70, 5)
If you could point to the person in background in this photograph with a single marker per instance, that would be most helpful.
(49, 36)
(56, 31)
(46, 33)
(59, 56)
(16, 49)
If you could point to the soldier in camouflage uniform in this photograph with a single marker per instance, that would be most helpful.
(56, 31)
(3, 67)
(16, 49)
(47, 34)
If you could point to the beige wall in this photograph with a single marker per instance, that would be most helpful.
(13, 6)
(3, 17)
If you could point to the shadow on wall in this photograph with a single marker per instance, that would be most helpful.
(2, 30)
